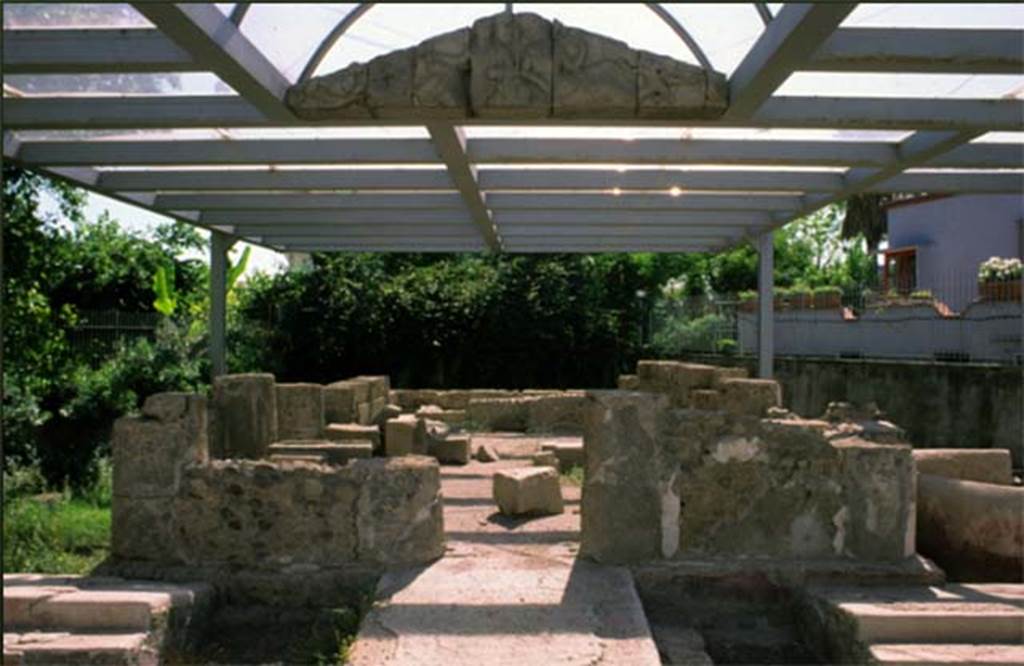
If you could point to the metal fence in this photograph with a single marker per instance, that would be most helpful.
(100, 330)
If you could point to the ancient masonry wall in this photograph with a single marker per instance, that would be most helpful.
(688, 466)
(173, 506)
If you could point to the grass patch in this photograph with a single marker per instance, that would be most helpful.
(573, 475)
(56, 532)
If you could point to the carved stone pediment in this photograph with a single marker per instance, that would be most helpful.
(514, 66)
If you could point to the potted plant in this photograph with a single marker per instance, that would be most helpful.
(801, 298)
(999, 279)
(827, 298)
(748, 301)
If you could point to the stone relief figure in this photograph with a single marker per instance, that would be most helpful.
(511, 65)
(514, 66)
(593, 75)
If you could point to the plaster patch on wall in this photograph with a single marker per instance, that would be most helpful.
(736, 449)
(839, 520)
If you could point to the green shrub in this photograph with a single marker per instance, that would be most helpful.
(727, 347)
(828, 291)
(679, 334)
(921, 295)
(747, 296)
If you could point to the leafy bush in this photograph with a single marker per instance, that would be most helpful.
(699, 334)
(996, 269)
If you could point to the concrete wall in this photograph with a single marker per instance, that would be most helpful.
(944, 245)
(940, 405)
(985, 332)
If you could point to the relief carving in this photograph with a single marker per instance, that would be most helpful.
(594, 75)
(511, 66)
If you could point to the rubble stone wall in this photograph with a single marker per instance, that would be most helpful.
(665, 481)
(172, 506)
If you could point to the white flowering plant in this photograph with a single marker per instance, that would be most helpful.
(1000, 269)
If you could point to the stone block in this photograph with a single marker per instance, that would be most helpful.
(399, 510)
(750, 396)
(555, 413)
(363, 414)
(360, 389)
(527, 491)
(453, 417)
(453, 449)
(628, 383)
(389, 84)
(244, 415)
(341, 94)
(622, 494)
(674, 379)
(707, 399)
(511, 71)
(441, 76)
(255, 514)
(149, 453)
(501, 414)
(334, 453)
(169, 406)
(297, 458)
(486, 453)
(545, 459)
(568, 454)
(300, 411)
(668, 88)
(377, 386)
(143, 529)
(974, 531)
(722, 374)
(346, 432)
(377, 407)
(405, 435)
(389, 412)
(340, 403)
(981, 465)
(594, 76)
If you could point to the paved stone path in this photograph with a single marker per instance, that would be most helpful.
(506, 592)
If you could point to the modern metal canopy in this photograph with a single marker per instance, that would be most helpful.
(244, 166)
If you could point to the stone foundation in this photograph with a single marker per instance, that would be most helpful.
(173, 507)
(665, 481)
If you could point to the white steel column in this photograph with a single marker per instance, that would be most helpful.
(220, 243)
(765, 306)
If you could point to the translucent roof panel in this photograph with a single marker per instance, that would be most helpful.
(289, 33)
(936, 15)
(867, 84)
(178, 83)
(390, 26)
(724, 31)
(72, 15)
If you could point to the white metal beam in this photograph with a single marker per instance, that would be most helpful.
(163, 111)
(92, 51)
(329, 216)
(657, 179)
(688, 201)
(450, 144)
(203, 180)
(786, 44)
(765, 306)
(952, 183)
(932, 50)
(614, 217)
(303, 201)
(177, 152)
(220, 243)
(217, 43)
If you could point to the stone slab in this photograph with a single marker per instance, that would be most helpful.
(981, 465)
(453, 449)
(404, 435)
(243, 416)
(341, 432)
(300, 411)
(336, 452)
(935, 654)
(527, 491)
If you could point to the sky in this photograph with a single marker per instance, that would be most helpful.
(289, 33)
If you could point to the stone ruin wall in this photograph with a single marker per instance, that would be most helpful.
(174, 506)
(700, 462)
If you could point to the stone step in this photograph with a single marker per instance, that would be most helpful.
(968, 613)
(57, 647)
(918, 654)
(83, 604)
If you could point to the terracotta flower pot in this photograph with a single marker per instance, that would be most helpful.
(1000, 291)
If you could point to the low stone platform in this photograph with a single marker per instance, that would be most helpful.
(965, 624)
(98, 620)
